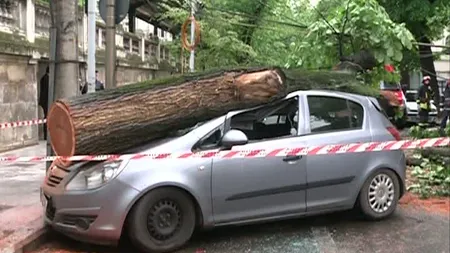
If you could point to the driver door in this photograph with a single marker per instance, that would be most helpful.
(260, 187)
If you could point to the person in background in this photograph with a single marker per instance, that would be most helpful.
(98, 84)
(83, 88)
(446, 109)
(43, 97)
(404, 88)
(424, 96)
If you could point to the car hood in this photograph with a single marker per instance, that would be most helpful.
(158, 145)
(163, 145)
(414, 107)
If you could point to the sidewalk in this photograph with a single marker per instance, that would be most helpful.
(20, 207)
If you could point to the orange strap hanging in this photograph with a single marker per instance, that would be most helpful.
(184, 41)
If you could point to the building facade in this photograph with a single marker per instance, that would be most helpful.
(24, 49)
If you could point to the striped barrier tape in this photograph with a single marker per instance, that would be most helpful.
(22, 123)
(316, 150)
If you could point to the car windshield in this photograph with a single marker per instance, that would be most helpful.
(181, 132)
(410, 97)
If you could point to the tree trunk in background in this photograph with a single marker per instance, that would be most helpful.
(427, 67)
(247, 34)
(405, 79)
(66, 70)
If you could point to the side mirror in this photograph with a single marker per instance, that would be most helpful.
(234, 138)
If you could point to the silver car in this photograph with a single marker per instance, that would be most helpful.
(159, 202)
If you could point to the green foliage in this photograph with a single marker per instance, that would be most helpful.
(424, 18)
(419, 133)
(291, 33)
(221, 45)
(432, 177)
(299, 79)
(366, 24)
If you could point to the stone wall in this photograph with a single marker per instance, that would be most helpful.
(126, 75)
(18, 100)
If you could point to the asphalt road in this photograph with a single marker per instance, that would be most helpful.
(410, 230)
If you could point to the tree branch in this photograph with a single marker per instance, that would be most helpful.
(341, 34)
(326, 21)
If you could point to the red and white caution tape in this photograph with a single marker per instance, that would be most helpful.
(318, 150)
(22, 123)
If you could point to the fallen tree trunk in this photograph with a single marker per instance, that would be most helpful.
(115, 120)
(429, 152)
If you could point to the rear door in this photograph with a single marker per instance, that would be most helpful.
(332, 177)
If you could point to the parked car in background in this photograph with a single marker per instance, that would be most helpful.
(394, 94)
(412, 109)
(159, 202)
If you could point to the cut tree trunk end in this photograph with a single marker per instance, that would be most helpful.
(115, 120)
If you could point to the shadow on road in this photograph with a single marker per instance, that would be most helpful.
(230, 236)
(343, 232)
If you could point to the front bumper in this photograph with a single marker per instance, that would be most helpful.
(432, 118)
(94, 216)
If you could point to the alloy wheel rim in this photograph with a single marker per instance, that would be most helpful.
(164, 220)
(381, 193)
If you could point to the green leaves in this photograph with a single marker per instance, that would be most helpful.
(423, 18)
(432, 177)
(367, 26)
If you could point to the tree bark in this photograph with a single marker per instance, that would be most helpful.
(405, 79)
(427, 65)
(115, 120)
(66, 69)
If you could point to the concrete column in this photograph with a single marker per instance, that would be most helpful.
(31, 23)
(100, 38)
(130, 43)
(142, 48)
(158, 52)
(85, 33)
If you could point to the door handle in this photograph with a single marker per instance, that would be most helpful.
(291, 158)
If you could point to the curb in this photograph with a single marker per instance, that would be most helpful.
(28, 241)
(33, 241)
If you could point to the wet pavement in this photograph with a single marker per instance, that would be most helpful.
(20, 208)
(410, 230)
(20, 182)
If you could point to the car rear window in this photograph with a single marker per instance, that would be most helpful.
(379, 108)
(389, 86)
(410, 97)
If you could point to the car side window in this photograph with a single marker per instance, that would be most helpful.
(274, 121)
(211, 140)
(334, 114)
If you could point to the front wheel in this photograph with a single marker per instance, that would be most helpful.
(379, 195)
(162, 221)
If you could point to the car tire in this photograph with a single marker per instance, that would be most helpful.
(379, 195)
(162, 221)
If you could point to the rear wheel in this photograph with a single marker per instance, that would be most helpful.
(379, 195)
(162, 221)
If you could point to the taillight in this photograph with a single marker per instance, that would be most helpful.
(395, 133)
(399, 95)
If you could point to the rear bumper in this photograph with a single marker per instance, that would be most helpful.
(414, 117)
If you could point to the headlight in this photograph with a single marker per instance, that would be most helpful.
(96, 176)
